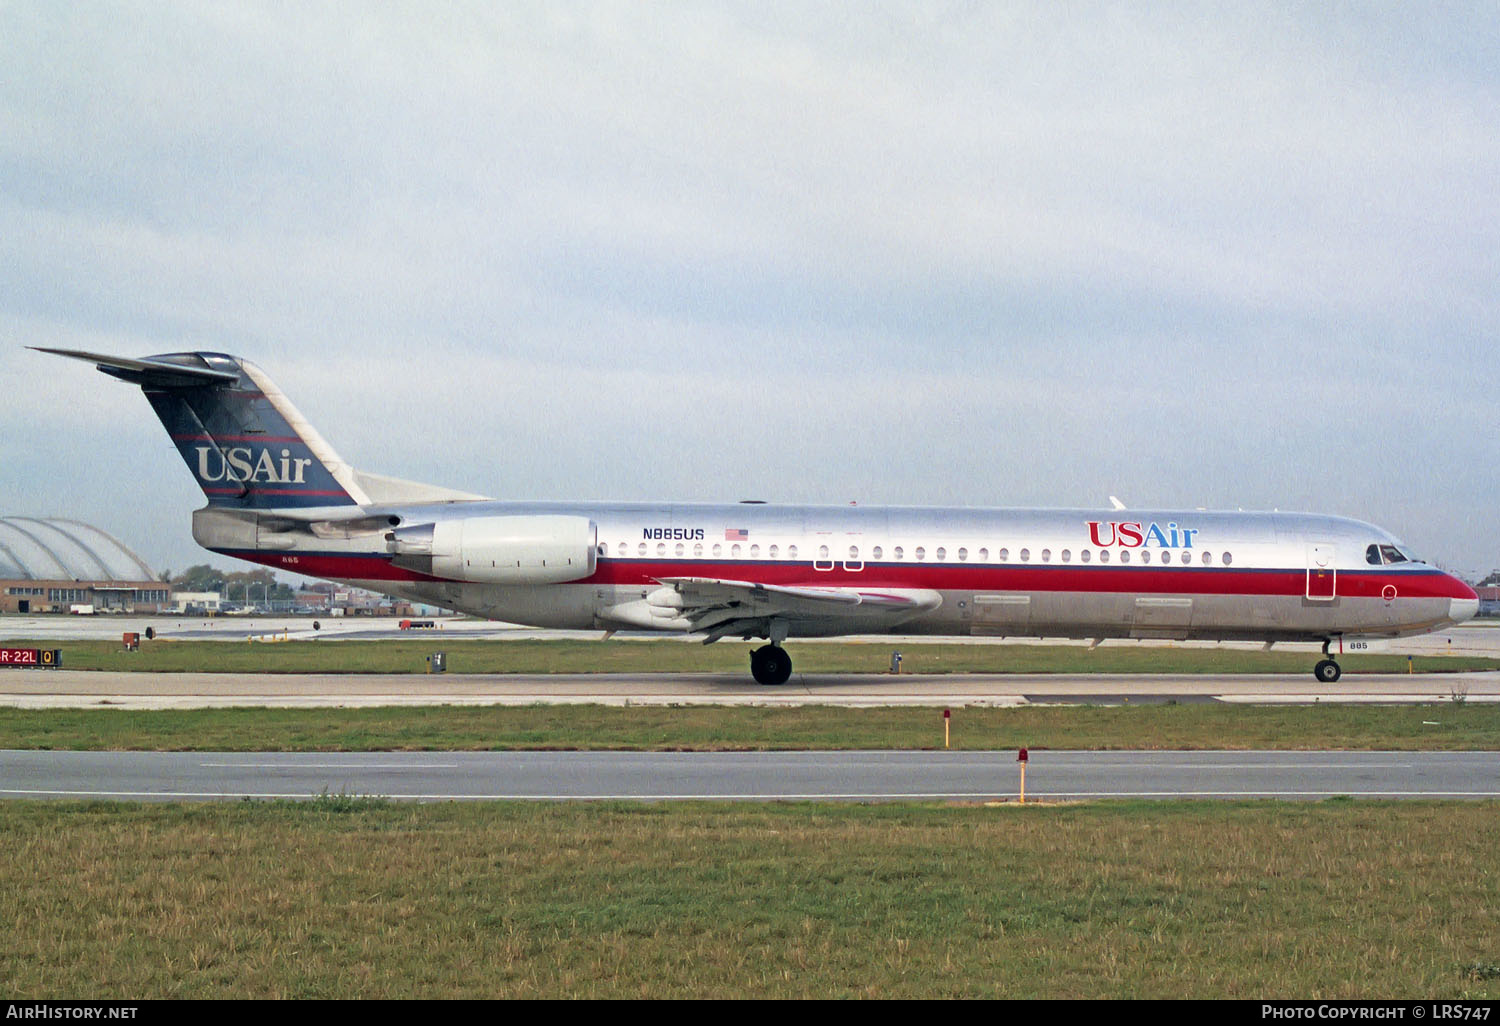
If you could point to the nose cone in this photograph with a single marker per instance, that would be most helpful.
(1460, 610)
(1464, 607)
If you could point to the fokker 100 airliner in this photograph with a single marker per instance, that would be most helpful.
(278, 494)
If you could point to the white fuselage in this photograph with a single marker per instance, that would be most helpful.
(1012, 572)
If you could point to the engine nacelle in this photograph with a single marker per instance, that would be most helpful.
(499, 550)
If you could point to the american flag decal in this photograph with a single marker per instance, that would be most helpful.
(736, 534)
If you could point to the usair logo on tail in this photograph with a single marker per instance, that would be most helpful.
(250, 466)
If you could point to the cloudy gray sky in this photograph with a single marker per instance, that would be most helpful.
(1232, 255)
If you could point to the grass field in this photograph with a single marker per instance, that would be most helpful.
(1456, 727)
(344, 898)
(644, 656)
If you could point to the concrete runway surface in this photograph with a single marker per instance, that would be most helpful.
(35, 689)
(77, 689)
(1479, 637)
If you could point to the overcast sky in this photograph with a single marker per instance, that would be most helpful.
(961, 253)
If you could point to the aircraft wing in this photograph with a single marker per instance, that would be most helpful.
(721, 607)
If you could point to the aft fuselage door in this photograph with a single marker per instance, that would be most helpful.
(1322, 575)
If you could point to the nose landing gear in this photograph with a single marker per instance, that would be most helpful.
(1327, 671)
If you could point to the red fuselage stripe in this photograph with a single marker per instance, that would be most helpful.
(939, 577)
(265, 439)
(276, 491)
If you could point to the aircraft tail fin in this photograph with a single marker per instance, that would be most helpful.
(243, 440)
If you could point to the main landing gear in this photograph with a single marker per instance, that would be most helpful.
(1327, 671)
(770, 665)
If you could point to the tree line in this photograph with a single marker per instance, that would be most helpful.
(232, 583)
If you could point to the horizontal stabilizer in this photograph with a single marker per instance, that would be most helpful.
(149, 373)
(383, 489)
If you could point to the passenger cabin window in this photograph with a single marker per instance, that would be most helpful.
(1026, 555)
(921, 552)
(941, 553)
(876, 552)
(772, 551)
(791, 552)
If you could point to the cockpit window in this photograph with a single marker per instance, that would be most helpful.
(1384, 555)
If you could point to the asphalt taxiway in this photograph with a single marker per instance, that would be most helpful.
(746, 776)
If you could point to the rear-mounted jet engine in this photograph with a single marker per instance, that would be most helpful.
(498, 550)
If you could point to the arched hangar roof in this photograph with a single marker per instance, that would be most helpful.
(53, 549)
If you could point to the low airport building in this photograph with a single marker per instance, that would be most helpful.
(195, 602)
(52, 565)
(1489, 601)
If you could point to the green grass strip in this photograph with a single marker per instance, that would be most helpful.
(351, 898)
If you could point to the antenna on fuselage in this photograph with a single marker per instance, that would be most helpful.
(1116, 503)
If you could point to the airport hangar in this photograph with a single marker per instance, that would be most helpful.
(52, 565)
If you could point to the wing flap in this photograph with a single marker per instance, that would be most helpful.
(721, 606)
